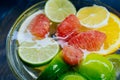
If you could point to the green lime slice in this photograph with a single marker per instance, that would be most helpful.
(38, 52)
(58, 10)
(115, 59)
(71, 76)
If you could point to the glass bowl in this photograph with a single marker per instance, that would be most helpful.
(21, 71)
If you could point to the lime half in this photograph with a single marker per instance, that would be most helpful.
(38, 52)
(58, 10)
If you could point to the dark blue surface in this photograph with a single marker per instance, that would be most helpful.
(9, 11)
(113, 3)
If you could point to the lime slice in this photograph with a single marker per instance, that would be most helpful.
(58, 10)
(71, 76)
(115, 59)
(38, 52)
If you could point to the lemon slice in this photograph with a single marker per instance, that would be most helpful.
(38, 52)
(94, 16)
(112, 31)
(58, 10)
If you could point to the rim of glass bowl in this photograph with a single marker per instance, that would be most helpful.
(12, 50)
(10, 38)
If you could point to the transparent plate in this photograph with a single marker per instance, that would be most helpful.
(21, 71)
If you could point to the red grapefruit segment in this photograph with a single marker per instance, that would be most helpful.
(69, 27)
(71, 55)
(39, 26)
(90, 40)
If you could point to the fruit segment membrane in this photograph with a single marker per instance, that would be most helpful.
(72, 43)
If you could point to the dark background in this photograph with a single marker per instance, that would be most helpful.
(9, 11)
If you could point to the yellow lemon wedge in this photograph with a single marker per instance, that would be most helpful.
(93, 16)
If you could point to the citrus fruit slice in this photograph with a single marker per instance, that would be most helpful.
(94, 16)
(71, 76)
(55, 69)
(112, 31)
(38, 52)
(95, 67)
(58, 10)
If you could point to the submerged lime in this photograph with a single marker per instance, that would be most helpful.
(115, 59)
(58, 10)
(96, 67)
(55, 69)
(38, 52)
(71, 76)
